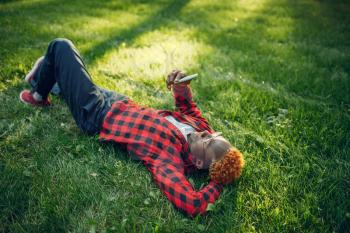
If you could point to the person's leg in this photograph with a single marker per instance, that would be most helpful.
(63, 64)
(32, 77)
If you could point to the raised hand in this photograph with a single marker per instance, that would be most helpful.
(174, 76)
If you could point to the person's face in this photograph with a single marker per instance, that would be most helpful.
(202, 148)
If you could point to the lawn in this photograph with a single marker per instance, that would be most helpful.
(274, 78)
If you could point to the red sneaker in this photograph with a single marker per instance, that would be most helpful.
(27, 97)
(29, 77)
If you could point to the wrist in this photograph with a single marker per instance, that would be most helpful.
(180, 86)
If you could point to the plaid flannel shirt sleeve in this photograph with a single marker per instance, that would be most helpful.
(181, 193)
(184, 102)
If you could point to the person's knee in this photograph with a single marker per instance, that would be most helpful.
(62, 44)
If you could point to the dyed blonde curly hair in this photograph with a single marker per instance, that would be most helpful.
(228, 168)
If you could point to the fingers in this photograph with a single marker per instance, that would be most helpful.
(179, 75)
(171, 78)
(175, 75)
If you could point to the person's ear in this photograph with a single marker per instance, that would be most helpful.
(199, 163)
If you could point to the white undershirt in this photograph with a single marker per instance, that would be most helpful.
(184, 128)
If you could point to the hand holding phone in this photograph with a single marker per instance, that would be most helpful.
(176, 77)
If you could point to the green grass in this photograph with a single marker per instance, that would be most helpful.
(274, 78)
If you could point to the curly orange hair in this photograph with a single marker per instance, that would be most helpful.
(228, 168)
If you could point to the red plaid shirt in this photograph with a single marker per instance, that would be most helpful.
(163, 149)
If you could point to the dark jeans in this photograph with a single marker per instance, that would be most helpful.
(87, 102)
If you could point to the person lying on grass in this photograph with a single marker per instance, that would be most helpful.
(169, 143)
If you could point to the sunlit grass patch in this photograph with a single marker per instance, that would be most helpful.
(153, 60)
(222, 15)
(139, 69)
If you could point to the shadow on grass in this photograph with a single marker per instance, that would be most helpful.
(14, 187)
(27, 28)
(321, 32)
(15, 180)
(308, 59)
(310, 38)
(156, 20)
(237, 38)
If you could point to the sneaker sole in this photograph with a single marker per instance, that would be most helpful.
(22, 100)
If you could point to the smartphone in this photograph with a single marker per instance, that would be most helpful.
(186, 78)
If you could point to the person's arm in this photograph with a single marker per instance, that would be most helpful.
(180, 192)
(184, 102)
(183, 95)
(167, 168)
